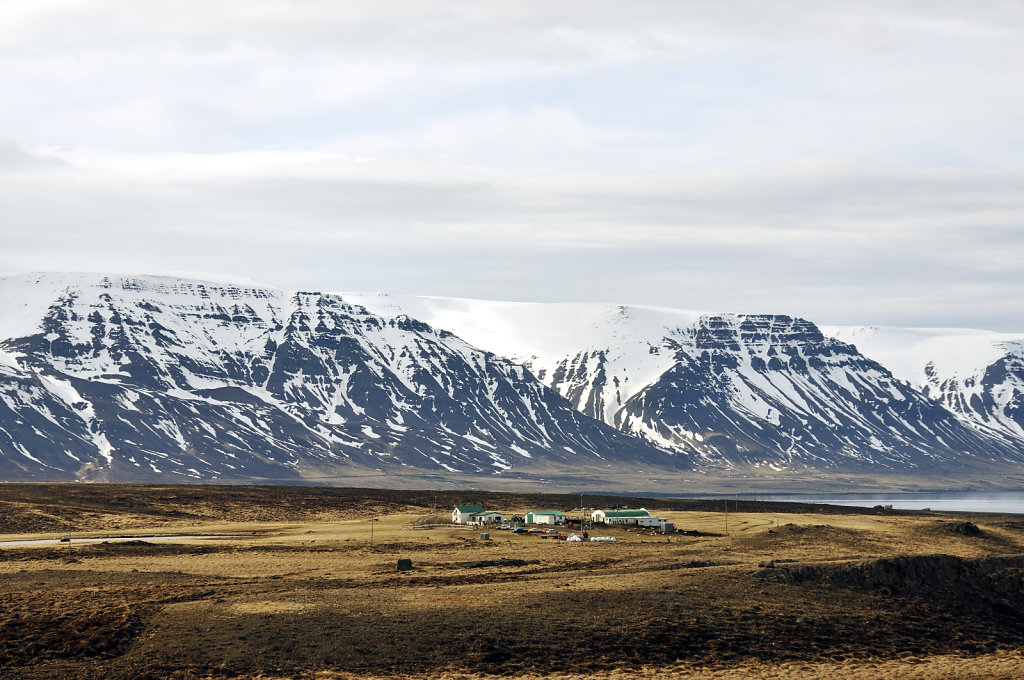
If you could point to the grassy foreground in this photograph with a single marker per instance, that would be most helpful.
(296, 590)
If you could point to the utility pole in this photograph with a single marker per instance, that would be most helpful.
(583, 517)
(726, 504)
(372, 520)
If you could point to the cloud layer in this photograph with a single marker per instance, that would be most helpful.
(847, 164)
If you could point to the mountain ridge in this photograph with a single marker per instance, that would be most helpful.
(283, 380)
(136, 378)
(624, 362)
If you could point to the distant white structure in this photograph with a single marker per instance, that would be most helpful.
(638, 518)
(619, 516)
(488, 517)
(655, 522)
(545, 517)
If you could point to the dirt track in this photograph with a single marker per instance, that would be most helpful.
(301, 593)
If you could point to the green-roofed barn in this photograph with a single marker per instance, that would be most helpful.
(463, 514)
(545, 517)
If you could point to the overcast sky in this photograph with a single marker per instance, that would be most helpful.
(850, 162)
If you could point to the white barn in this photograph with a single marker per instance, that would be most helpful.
(620, 516)
(545, 517)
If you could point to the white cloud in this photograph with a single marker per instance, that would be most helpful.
(803, 156)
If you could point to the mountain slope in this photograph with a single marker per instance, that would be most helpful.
(143, 377)
(731, 390)
(978, 375)
(161, 378)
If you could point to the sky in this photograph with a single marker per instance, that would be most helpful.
(848, 162)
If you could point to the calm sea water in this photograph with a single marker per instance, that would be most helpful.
(966, 501)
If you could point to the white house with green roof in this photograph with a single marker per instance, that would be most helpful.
(545, 517)
(633, 517)
(463, 514)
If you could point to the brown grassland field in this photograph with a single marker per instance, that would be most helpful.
(292, 588)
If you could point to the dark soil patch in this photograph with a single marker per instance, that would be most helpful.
(503, 562)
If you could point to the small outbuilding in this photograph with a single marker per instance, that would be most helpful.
(656, 522)
(632, 517)
(488, 517)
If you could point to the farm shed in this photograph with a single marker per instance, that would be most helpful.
(620, 516)
(657, 522)
(489, 517)
(545, 517)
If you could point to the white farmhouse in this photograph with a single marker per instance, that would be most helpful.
(463, 514)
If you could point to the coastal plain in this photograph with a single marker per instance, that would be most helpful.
(287, 582)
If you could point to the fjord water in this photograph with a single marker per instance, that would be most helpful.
(959, 501)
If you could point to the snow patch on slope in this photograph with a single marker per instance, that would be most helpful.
(66, 392)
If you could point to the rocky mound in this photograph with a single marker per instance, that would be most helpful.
(997, 581)
(965, 528)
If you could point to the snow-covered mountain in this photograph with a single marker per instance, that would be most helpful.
(108, 377)
(143, 378)
(730, 390)
(978, 375)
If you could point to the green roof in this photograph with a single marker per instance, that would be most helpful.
(547, 512)
(469, 508)
(626, 513)
(489, 512)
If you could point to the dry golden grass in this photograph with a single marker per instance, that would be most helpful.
(1001, 666)
(303, 594)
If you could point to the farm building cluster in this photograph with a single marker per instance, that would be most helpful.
(476, 515)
